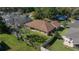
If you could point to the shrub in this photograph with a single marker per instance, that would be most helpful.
(35, 37)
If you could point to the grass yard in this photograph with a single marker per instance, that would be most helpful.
(58, 46)
(14, 44)
(63, 32)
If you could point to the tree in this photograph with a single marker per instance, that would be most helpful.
(3, 27)
(38, 13)
(65, 11)
(41, 13)
(49, 12)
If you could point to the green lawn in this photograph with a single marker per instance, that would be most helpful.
(63, 32)
(14, 44)
(58, 46)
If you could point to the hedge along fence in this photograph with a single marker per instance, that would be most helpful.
(51, 40)
(43, 47)
(36, 39)
(46, 43)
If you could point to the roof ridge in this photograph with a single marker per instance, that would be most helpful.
(47, 24)
(43, 25)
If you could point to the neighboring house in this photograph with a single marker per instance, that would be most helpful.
(11, 19)
(14, 21)
(7, 19)
(71, 38)
(42, 25)
(22, 19)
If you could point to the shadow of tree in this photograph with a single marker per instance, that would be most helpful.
(51, 42)
(3, 46)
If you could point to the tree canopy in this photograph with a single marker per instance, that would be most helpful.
(50, 12)
(43, 12)
(3, 27)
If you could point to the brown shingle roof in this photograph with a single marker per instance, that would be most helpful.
(41, 25)
(55, 23)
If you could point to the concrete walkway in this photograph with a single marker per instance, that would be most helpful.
(43, 49)
(67, 40)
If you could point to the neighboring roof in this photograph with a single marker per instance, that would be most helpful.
(74, 34)
(19, 19)
(55, 23)
(41, 25)
(61, 17)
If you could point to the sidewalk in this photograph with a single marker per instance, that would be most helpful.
(43, 49)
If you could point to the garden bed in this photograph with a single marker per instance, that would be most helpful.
(35, 38)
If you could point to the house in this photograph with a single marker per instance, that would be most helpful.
(55, 24)
(71, 38)
(11, 19)
(42, 25)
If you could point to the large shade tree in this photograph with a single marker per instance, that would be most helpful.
(44, 12)
(3, 27)
(50, 12)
